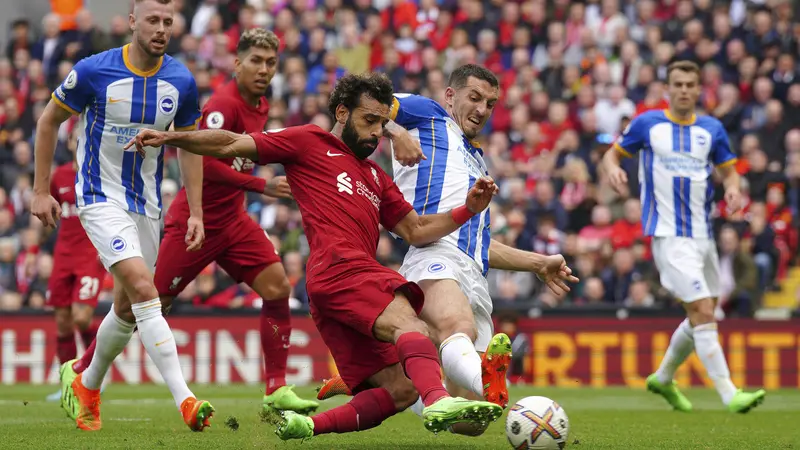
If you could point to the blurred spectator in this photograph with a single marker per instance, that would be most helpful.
(738, 275)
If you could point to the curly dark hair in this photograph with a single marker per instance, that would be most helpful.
(349, 89)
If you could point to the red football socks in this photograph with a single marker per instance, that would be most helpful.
(88, 335)
(66, 349)
(366, 410)
(81, 364)
(275, 331)
(421, 363)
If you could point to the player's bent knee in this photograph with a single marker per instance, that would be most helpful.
(279, 289)
(464, 327)
(64, 323)
(123, 311)
(701, 311)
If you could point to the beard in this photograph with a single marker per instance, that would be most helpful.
(144, 44)
(362, 148)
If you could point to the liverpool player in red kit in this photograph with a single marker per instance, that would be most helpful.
(366, 313)
(77, 271)
(233, 239)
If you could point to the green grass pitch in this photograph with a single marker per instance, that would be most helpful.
(144, 417)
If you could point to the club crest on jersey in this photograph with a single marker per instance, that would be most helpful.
(375, 176)
(701, 140)
(118, 244)
(215, 120)
(72, 80)
(436, 267)
(167, 104)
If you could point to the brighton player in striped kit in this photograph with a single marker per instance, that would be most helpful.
(678, 152)
(118, 93)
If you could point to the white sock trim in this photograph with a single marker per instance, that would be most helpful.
(146, 310)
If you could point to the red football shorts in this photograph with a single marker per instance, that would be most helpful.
(75, 281)
(242, 249)
(345, 300)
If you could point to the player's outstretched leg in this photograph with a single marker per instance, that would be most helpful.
(398, 323)
(706, 341)
(160, 345)
(275, 326)
(661, 382)
(66, 348)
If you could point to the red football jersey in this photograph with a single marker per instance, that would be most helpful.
(225, 180)
(72, 240)
(342, 199)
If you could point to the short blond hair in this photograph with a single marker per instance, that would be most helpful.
(259, 38)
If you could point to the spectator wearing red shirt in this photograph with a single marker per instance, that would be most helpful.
(557, 123)
(399, 13)
(600, 231)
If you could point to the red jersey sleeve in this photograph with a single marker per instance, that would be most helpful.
(54, 187)
(394, 206)
(279, 146)
(217, 171)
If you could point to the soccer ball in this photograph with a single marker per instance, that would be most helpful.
(537, 423)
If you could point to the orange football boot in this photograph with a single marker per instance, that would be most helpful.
(332, 387)
(89, 402)
(494, 366)
(196, 413)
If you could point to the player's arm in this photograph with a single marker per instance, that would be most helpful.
(725, 161)
(191, 166)
(630, 142)
(273, 146)
(420, 230)
(551, 269)
(408, 111)
(407, 150)
(216, 143)
(69, 98)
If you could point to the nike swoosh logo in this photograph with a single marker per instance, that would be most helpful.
(115, 100)
(63, 190)
(334, 154)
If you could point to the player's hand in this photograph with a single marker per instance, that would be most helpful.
(146, 138)
(195, 234)
(278, 187)
(480, 195)
(618, 179)
(407, 150)
(733, 200)
(47, 209)
(555, 274)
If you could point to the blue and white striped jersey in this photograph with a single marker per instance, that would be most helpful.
(675, 166)
(115, 100)
(441, 182)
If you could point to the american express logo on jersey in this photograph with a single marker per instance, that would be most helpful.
(124, 134)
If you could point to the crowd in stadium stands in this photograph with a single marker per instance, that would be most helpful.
(573, 74)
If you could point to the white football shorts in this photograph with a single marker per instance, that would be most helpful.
(442, 261)
(689, 267)
(118, 234)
